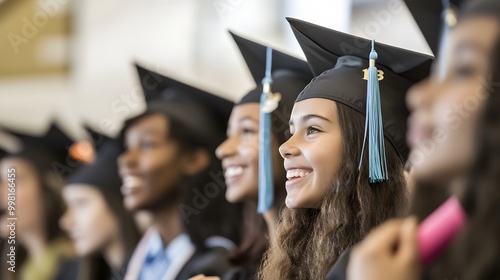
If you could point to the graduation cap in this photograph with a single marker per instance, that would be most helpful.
(84, 151)
(457, 3)
(48, 152)
(279, 78)
(202, 113)
(97, 138)
(102, 172)
(436, 19)
(289, 74)
(2, 153)
(428, 16)
(340, 62)
(481, 7)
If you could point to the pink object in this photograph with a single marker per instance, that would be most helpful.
(439, 229)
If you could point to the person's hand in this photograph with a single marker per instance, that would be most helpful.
(203, 277)
(389, 252)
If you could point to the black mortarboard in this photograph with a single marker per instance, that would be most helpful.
(457, 3)
(339, 60)
(97, 137)
(48, 152)
(481, 7)
(202, 113)
(428, 16)
(102, 173)
(285, 68)
(85, 150)
(435, 19)
(2, 152)
(290, 75)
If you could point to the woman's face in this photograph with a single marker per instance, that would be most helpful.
(88, 220)
(152, 166)
(240, 155)
(313, 153)
(445, 111)
(29, 207)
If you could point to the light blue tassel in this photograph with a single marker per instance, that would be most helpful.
(266, 186)
(449, 19)
(374, 127)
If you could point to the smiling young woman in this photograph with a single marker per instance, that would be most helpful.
(331, 204)
(240, 151)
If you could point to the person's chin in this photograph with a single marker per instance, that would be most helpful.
(82, 249)
(133, 204)
(292, 201)
(425, 171)
(298, 199)
(242, 190)
(234, 194)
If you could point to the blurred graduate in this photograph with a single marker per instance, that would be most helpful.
(464, 163)
(41, 167)
(169, 168)
(102, 230)
(242, 157)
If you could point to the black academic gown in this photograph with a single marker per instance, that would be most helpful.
(339, 269)
(248, 272)
(210, 262)
(70, 269)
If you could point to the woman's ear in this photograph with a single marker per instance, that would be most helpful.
(195, 161)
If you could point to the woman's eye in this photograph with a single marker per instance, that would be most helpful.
(312, 130)
(247, 131)
(465, 71)
(148, 144)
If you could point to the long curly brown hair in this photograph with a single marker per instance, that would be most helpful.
(309, 241)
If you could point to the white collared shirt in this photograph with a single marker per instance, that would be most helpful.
(165, 262)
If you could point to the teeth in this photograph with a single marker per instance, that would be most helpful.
(295, 173)
(233, 171)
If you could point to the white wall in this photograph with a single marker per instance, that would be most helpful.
(387, 21)
(186, 39)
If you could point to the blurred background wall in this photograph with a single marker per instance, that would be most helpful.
(72, 60)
